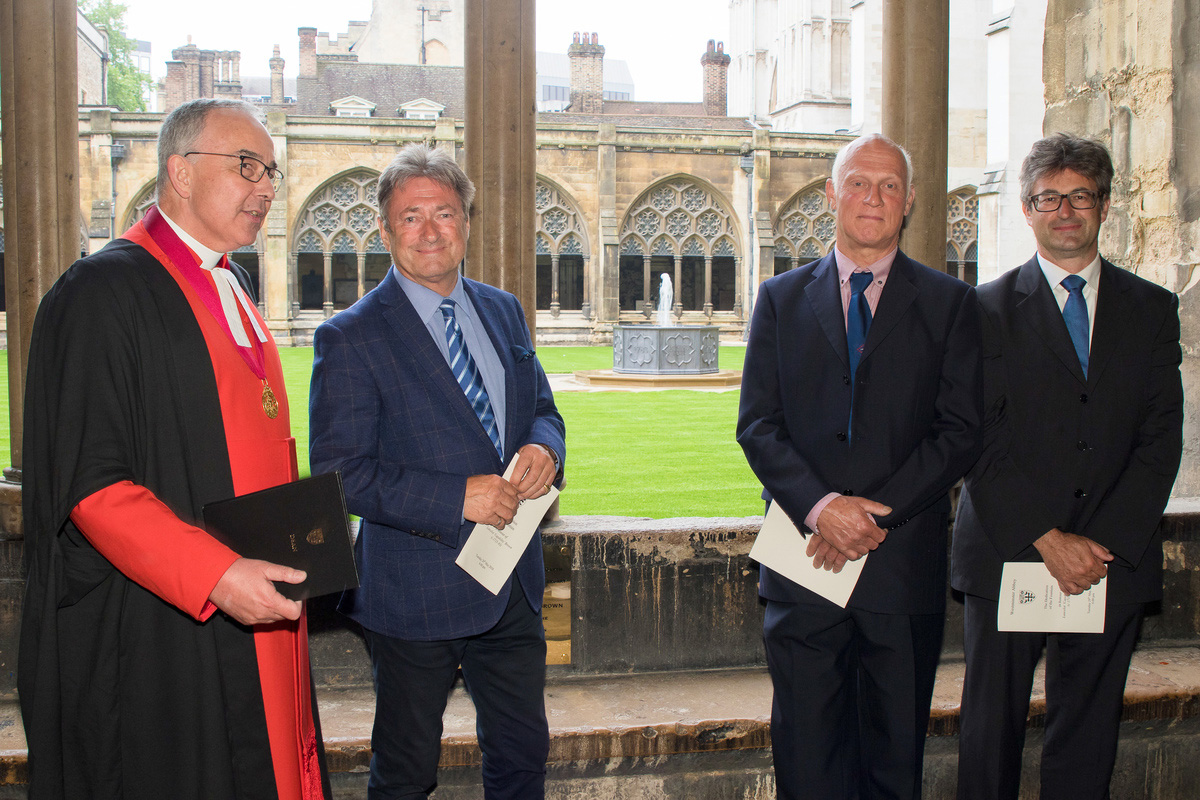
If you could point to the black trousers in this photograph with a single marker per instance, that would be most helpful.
(851, 699)
(1085, 685)
(504, 670)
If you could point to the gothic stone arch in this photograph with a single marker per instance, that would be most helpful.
(338, 253)
(805, 228)
(561, 252)
(680, 223)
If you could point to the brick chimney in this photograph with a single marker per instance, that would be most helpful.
(276, 78)
(308, 52)
(716, 79)
(175, 86)
(587, 74)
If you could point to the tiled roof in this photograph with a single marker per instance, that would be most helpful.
(387, 85)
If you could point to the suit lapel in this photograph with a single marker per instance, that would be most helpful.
(825, 297)
(898, 294)
(1112, 313)
(1037, 307)
(413, 344)
(490, 314)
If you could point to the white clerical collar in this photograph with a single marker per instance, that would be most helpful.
(208, 258)
(229, 291)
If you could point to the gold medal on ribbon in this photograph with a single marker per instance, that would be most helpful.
(270, 404)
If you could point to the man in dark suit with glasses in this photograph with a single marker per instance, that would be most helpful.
(1082, 440)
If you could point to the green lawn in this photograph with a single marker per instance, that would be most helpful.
(644, 454)
(640, 454)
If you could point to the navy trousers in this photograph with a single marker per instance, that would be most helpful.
(1085, 687)
(851, 699)
(504, 670)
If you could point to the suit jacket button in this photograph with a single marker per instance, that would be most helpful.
(848, 492)
(841, 436)
(846, 380)
(1083, 397)
(1080, 493)
(1081, 445)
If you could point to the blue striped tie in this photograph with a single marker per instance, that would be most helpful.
(467, 375)
(1075, 314)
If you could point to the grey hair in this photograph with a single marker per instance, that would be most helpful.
(1062, 151)
(419, 160)
(839, 163)
(183, 126)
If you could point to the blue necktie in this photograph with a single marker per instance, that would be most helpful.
(858, 319)
(1075, 314)
(467, 375)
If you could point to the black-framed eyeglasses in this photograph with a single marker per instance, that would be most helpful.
(252, 169)
(1052, 201)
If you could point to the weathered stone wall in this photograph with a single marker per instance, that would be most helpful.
(1119, 70)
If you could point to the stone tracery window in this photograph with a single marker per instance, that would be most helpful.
(962, 235)
(804, 230)
(560, 251)
(686, 230)
(339, 254)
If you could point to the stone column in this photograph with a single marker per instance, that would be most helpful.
(605, 272)
(647, 306)
(276, 253)
(555, 305)
(39, 96)
(916, 47)
(327, 281)
(500, 146)
(677, 308)
(585, 307)
(362, 272)
(708, 291)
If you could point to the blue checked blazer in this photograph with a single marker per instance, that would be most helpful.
(387, 412)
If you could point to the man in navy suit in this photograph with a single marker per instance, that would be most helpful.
(1083, 435)
(860, 408)
(422, 392)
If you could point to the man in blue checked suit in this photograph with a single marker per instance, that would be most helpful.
(422, 392)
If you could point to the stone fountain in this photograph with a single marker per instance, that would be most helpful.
(665, 348)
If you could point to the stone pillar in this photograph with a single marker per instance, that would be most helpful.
(916, 48)
(278, 262)
(715, 64)
(708, 292)
(39, 97)
(500, 146)
(362, 272)
(677, 307)
(647, 306)
(327, 305)
(555, 305)
(605, 273)
(587, 74)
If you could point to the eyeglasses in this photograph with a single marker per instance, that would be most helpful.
(252, 169)
(1052, 201)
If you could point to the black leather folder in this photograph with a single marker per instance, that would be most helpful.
(302, 524)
